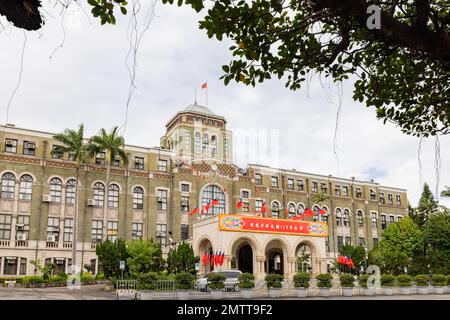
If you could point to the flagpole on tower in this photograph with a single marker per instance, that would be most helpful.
(195, 96)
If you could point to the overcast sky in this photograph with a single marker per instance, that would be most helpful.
(87, 82)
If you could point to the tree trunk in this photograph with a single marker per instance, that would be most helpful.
(105, 204)
(75, 223)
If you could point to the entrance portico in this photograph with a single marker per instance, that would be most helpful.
(261, 245)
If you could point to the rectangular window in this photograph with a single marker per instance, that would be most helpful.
(345, 191)
(290, 184)
(258, 179)
(53, 228)
(184, 231)
(362, 241)
(68, 230)
(348, 241)
(97, 230)
(57, 152)
(358, 193)
(161, 234)
(162, 199)
(136, 231)
(5, 226)
(323, 187)
(71, 156)
(391, 219)
(23, 266)
(398, 200)
(360, 219)
(315, 187)
(258, 205)
(112, 230)
(337, 190)
(184, 187)
(244, 194)
(115, 162)
(383, 222)
(390, 199)
(375, 242)
(11, 145)
(274, 182)
(373, 195)
(399, 218)
(29, 148)
(374, 219)
(245, 206)
(300, 185)
(340, 243)
(184, 204)
(100, 158)
(139, 163)
(162, 165)
(382, 198)
(10, 267)
(23, 226)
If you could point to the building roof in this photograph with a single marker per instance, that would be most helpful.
(196, 109)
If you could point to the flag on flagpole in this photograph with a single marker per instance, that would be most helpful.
(215, 202)
(239, 204)
(205, 85)
(194, 211)
(263, 208)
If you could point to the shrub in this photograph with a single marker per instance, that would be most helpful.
(87, 277)
(404, 280)
(347, 280)
(422, 280)
(215, 281)
(448, 280)
(301, 280)
(184, 280)
(324, 280)
(27, 280)
(363, 278)
(100, 276)
(147, 281)
(246, 281)
(387, 280)
(273, 280)
(439, 280)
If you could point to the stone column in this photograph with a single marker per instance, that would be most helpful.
(228, 261)
(291, 269)
(260, 260)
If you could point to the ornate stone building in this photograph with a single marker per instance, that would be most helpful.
(153, 196)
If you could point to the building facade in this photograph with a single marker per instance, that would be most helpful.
(152, 196)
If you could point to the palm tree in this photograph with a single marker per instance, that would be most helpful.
(74, 144)
(112, 144)
(445, 193)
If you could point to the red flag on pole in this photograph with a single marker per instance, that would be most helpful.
(239, 204)
(222, 258)
(205, 85)
(263, 208)
(215, 202)
(322, 211)
(212, 259)
(194, 211)
(308, 213)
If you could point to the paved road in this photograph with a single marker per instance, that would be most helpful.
(89, 292)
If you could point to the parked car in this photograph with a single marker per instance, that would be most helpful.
(231, 282)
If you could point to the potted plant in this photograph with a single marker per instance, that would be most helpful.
(364, 289)
(301, 282)
(183, 283)
(215, 284)
(422, 282)
(404, 281)
(324, 283)
(438, 281)
(246, 284)
(274, 284)
(347, 284)
(387, 282)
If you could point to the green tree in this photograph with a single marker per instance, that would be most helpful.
(181, 259)
(358, 255)
(141, 257)
(110, 254)
(112, 144)
(73, 143)
(400, 243)
(304, 262)
(446, 192)
(426, 207)
(437, 238)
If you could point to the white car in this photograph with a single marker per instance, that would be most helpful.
(231, 282)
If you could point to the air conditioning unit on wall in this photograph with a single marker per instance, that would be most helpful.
(91, 202)
(21, 237)
(46, 198)
(51, 238)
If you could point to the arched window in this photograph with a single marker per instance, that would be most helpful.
(113, 196)
(291, 209)
(138, 198)
(360, 217)
(338, 217)
(25, 187)
(187, 142)
(197, 142)
(205, 143)
(300, 209)
(325, 215)
(346, 217)
(70, 191)
(213, 146)
(99, 194)
(275, 209)
(211, 193)
(8, 183)
(55, 190)
(316, 213)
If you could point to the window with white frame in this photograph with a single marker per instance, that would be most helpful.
(360, 217)
(211, 193)
(197, 142)
(71, 156)
(136, 231)
(5, 226)
(314, 187)
(337, 190)
(55, 190)
(113, 196)
(53, 227)
(373, 217)
(345, 191)
(390, 199)
(25, 187)
(323, 187)
(205, 143)
(23, 226)
(398, 200)
(162, 165)
(340, 242)
(184, 232)
(70, 191)
(383, 222)
(346, 217)
(291, 209)
(274, 181)
(213, 146)
(161, 233)
(29, 148)
(8, 184)
(338, 217)
(258, 205)
(258, 179)
(362, 241)
(138, 198)
(391, 219)
(112, 230)
(115, 162)
(300, 185)
(161, 198)
(57, 152)
(300, 208)
(325, 215)
(97, 230)
(10, 145)
(382, 198)
(68, 230)
(184, 187)
(358, 192)
(373, 195)
(184, 204)
(225, 146)
(316, 210)
(139, 163)
(187, 142)
(275, 209)
(100, 158)
(348, 241)
(99, 194)
(290, 184)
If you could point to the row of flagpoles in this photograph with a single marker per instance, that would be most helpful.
(214, 259)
